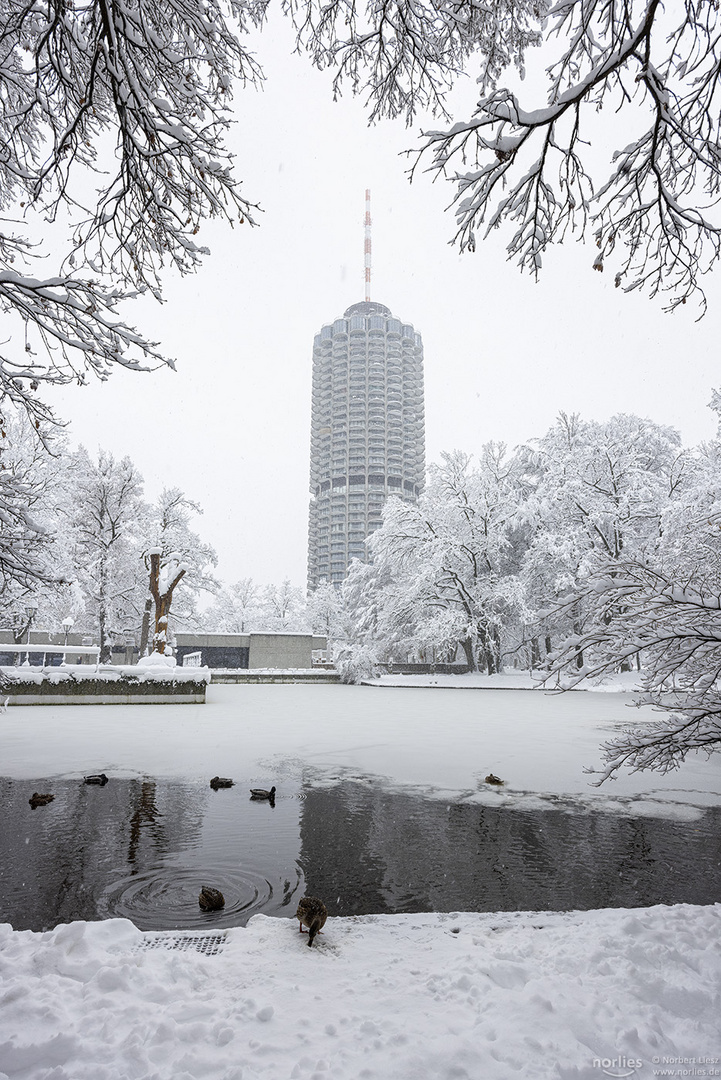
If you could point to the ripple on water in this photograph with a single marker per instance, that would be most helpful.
(167, 897)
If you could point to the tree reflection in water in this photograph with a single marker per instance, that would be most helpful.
(142, 848)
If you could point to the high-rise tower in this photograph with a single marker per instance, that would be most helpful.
(367, 430)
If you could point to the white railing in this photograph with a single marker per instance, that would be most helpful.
(73, 650)
(193, 659)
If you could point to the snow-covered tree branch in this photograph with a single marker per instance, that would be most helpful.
(654, 210)
(136, 96)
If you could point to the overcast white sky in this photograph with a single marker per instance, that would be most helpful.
(503, 354)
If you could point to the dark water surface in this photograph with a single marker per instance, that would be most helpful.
(143, 848)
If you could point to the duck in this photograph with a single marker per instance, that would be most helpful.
(491, 779)
(40, 800)
(220, 781)
(313, 913)
(96, 778)
(261, 793)
(211, 899)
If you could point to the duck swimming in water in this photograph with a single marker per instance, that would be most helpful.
(220, 781)
(313, 913)
(36, 799)
(261, 793)
(211, 899)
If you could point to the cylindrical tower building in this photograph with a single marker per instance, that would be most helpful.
(367, 432)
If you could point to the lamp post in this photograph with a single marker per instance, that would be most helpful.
(67, 625)
(30, 610)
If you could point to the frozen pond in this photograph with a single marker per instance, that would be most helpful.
(381, 807)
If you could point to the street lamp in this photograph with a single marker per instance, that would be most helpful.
(30, 610)
(67, 625)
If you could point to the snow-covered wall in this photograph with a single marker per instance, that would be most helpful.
(80, 684)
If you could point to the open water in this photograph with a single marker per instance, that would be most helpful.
(142, 848)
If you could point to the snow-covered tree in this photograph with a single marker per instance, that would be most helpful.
(663, 605)
(25, 537)
(102, 515)
(456, 551)
(599, 494)
(363, 643)
(179, 563)
(134, 98)
(324, 612)
(235, 609)
(283, 607)
(643, 176)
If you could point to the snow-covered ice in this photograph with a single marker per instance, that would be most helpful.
(439, 742)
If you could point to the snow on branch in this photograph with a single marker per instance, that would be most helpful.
(137, 94)
(404, 55)
(654, 208)
(675, 630)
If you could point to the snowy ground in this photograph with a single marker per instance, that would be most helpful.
(568, 996)
(403, 997)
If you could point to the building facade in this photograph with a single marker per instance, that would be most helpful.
(367, 433)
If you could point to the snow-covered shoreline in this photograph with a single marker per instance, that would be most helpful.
(466, 996)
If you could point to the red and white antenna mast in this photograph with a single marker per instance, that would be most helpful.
(368, 244)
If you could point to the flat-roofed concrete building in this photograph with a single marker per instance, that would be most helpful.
(255, 650)
(367, 432)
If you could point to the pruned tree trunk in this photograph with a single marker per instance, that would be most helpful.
(162, 603)
(145, 627)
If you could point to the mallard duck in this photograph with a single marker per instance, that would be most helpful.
(96, 778)
(313, 913)
(211, 899)
(261, 793)
(491, 779)
(40, 800)
(220, 781)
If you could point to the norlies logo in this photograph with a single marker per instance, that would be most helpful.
(618, 1066)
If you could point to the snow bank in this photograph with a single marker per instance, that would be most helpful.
(623, 682)
(568, 996)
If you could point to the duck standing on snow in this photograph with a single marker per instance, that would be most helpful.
(96, 778)
(492, 779)
(313, 913)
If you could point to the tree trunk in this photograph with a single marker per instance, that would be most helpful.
(162, 603)
(145, 627)
(467, 646)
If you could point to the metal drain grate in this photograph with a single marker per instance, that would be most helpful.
(208, 944)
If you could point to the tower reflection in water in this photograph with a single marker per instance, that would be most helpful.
(142, 849)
